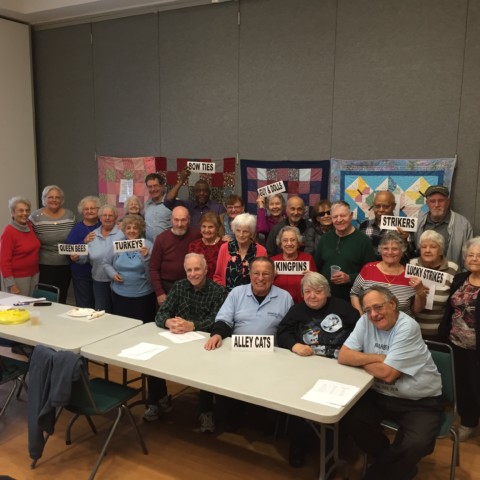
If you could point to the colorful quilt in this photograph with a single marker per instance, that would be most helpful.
(307, 179)
(356, 182)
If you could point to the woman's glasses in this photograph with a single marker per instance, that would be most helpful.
(322, 214)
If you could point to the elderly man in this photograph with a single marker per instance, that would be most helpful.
(343, 247)
(157, 215)
(169, 250)
(384, 204)
(294, 211)
(388, 344)
(192, 304)
(452, 226)
(202, 203)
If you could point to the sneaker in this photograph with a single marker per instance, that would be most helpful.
(152, 413)
(165, 404)
(464, 433)
(207, 424)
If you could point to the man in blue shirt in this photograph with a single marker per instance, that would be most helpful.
(157, 215)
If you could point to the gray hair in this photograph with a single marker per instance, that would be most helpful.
(276, 195)
(14, 201)
(245, 220)
(129, 200)
(433, 236)
(392, 236)
(46, 191)
(317, 281)
(113, 208)
(384, 291)
(473, 242)
(340, 203)
(195, 255)
(84, 200)
(133, 219)
(288, 228)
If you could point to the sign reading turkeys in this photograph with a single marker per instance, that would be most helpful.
(294, 267)
(128, 245)
(267, 190)
(253, 342)
(389, 222)
(67, 249)
(201, 167)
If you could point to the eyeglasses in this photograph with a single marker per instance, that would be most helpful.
(322, 214)
(375, 308)
(473, 255)
(234, 207)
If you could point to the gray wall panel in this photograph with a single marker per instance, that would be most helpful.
(286, 78)
(126, 86)
(198, 81)
(63, 78)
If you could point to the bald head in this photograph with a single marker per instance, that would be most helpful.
(383, 204)
(180, 221)
(295, 210)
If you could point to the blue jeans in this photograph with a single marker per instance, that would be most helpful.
(83, 289)
(103, 296)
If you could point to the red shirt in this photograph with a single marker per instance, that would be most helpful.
(210, 252)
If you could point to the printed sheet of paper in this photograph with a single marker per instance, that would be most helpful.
(331, 393)
(142, 351)
(183, 337)
(12, 299)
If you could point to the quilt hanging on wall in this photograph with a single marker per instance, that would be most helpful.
(120, 177)
(356, 181)
(305, 178)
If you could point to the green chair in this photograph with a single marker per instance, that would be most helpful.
(43, 290)
(12, 370)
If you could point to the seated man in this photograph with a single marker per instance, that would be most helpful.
(388, 344)
(191, 305)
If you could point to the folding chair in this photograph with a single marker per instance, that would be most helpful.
(43, 290)
(12, 370)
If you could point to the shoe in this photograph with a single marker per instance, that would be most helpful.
(296, 456)
(207, 423)
(152, 413)
(464, 433)
(165, 404)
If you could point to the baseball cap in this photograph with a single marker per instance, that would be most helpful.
(437, 189)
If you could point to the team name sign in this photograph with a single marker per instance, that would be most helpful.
(253, 343)
(427, 274)
(295, 267)
(409, 224)
(128, 245)
(201, 167)
(67, 249)
(267, 190)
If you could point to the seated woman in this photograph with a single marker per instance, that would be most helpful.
(321, 223)
(235, 206)
(289, 240)
(389, 272)
(132, 292)
(234, 257)
(432, 246)
(275, 204)
(319, 325)
(211, 241)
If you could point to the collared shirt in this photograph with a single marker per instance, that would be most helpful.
(440, 227)
(197, 306)
(195, 209)
(157, 218)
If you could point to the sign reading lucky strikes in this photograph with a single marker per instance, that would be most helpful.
(433, 276)
(267, 190)
(389, 222)
(128, 245)
(201, 167)
(67, 249)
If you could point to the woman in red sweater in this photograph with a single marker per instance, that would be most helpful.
(19, 249)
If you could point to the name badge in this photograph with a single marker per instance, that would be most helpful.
(295, 267)
(77, 249)
(267, 190)
(201, 167)
(389, 222)
(253, 343)
(128, 245)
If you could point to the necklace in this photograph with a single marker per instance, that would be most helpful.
(390, 279)
(212, 243)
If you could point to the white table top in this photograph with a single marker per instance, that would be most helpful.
(60, 332)
(274, 380)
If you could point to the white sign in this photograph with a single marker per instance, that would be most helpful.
(128, 245)
(201, 167)
(126, 189)
(409, 224)
(253, 342)
(295, 267)
(67, 249)
(433, 276)
(271, 189)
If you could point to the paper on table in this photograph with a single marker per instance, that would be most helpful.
(183, 337)
(142, 351)
(16, 299)
(331, 393)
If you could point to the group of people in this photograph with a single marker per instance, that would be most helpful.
(209, 267)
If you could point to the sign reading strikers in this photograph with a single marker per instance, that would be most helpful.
(128, 245)
(409, 224)
(277, 187)
(67, 249)
(294, 267)
(201, 167)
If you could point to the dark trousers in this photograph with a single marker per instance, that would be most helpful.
(83, 290)
(141, 308)
(467, 379)
(58, 275)
(102, 293)
(418, 420)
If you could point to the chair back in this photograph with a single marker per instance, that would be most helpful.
(50, 292)
(81, 398)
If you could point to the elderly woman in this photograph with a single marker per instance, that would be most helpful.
(234, 257)
(100, 253)
(321, 223)
(132, 292)
(288, 241)
(52, 224)
(132, 206)
(432, 246)
(319, 325)
(390, 273)
(461, 328)
(235, 206)
(275, 204)
(211, 241)
(83, 232)
(19, 250)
